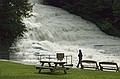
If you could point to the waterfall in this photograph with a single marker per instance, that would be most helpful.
(52, 30)
(36, 1)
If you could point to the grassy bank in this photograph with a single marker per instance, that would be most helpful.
(10, 70)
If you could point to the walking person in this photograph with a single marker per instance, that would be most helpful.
(80, 58)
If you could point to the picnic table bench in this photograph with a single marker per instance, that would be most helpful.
(109, 66)
(89, 64)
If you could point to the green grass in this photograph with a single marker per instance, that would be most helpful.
(10, 70)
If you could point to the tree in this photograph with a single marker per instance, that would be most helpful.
(12, 13)
(116, 14)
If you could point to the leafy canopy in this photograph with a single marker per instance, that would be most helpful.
(12, 13)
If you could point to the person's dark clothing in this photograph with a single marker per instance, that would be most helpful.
(80, 58)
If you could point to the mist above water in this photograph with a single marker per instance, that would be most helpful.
(52, 30)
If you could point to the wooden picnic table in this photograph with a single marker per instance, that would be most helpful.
(53, 68)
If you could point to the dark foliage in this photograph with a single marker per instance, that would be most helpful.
(11, 14)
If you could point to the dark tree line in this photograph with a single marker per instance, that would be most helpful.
(12, 13)
(104, 13)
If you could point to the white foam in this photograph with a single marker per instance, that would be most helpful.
(52, 30)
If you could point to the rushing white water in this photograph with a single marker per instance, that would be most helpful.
(52, 30)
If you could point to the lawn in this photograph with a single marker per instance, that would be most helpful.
(10, 70)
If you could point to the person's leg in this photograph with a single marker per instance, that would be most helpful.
(78, 64)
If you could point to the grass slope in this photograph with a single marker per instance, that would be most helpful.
(10, 70)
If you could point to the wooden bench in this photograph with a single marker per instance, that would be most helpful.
(109, 66)
(89, 64)
(45, 67)
(52, 69)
